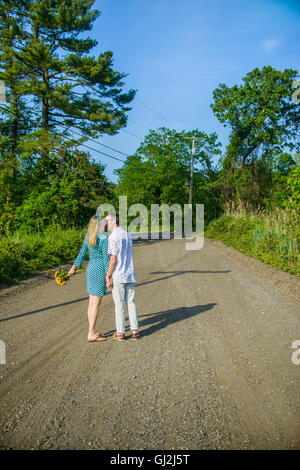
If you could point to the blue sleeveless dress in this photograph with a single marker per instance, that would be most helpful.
(98, 265)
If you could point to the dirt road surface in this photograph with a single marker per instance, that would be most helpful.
(212, 370)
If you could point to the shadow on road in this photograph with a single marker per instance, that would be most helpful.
(172, 274)
(157, 321)
(178, 273)
(42, 309)
(150, 240)
(160, 320)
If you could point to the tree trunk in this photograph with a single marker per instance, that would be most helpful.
(45, 126)
(12, 161)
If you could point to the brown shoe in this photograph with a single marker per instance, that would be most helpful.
(135, 336)
(119, 336)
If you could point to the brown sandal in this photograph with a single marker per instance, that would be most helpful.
(101, 335)
(98, 339)
(119, 336)
(135, 336)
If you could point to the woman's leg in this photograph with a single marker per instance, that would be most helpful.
(92, 313)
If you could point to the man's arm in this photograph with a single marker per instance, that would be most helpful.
(111, 268)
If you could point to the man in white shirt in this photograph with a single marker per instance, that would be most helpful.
(121, 276)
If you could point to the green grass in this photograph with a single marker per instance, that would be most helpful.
(272, 238)
(24, 254)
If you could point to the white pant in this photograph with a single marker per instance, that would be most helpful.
(124, 293)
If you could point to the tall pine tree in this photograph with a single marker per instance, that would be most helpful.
(64, 84)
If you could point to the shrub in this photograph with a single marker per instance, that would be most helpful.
(24, 254)
(273, 238)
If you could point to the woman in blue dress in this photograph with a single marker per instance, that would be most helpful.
(97, 244)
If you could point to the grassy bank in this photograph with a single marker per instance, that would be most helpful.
(24, 254)
(272, 238)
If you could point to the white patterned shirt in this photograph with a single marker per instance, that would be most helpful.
(120, 245)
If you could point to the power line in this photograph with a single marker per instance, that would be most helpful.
(111, 148)
(131, 133)
(95, 150)
(98, 151)
(84, 145)
(151, 109)
(57, 153)
(137, 124)
(93, 140)
(152, 170)
(100, 184)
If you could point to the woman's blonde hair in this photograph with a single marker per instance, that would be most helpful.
(91, 236)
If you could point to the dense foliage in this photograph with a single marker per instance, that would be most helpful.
(56, 89)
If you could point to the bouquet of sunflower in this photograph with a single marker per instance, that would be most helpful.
(62, 277)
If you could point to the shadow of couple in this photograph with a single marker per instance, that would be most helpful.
(153, 322)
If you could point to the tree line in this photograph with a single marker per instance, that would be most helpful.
(258, 168)
(56, 89)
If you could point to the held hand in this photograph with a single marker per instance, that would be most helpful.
(109, 281)
(71, 272)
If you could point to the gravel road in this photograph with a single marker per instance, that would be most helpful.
(212, 370)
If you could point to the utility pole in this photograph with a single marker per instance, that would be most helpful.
(192, 166)
(2, 92)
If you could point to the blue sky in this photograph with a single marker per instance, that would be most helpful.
(177, 52)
